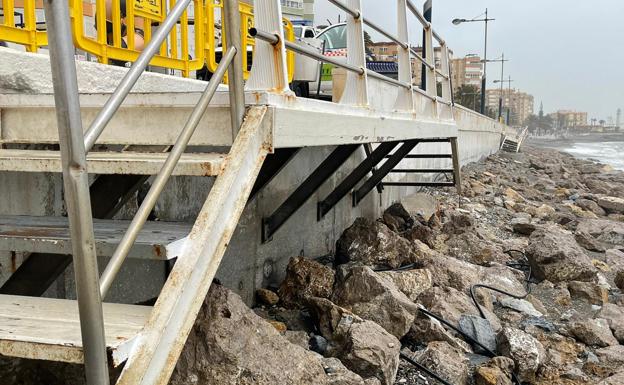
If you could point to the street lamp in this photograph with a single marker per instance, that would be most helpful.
(500, 99)
(484, 79)
(509, 81)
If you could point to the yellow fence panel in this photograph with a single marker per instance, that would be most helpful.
(18, 24)
(215, 37)
(121, 35)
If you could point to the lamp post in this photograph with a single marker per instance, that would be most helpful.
(509, 81)
(484, 78)
(500, 99)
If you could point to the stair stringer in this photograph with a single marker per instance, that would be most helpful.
(159, 345)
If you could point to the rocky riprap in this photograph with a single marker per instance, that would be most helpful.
(349, 319)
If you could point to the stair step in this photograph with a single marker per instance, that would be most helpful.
(135, 163)
(51, 235)
(49, 329)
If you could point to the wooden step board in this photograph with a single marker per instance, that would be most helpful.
(49, 329)
(133, 163)
(51, 235)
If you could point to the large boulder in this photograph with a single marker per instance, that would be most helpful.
(410, 282)
(611, 204)
(604, 230)
(231, 345)
(448, 303)
(305, 278)
(593, 332)
(362, 346)
(446, 361)
(614, 315)
(555, 256)
(526, 351)
(373, 243)
(375, 298)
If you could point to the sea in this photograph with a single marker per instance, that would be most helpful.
(607, 150)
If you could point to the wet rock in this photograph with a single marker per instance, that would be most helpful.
(446, 361)
(362, 346)
(410, 282)
(373, 243)
(604, 230)
(611, 204)
(526, 351)
(497, 371)
(589, 291)
(586, 241)
(614, 315)
(590, 205)
(593, 332)
(231, 345)
(305, 278)
(267, 297)
(519, 305)
(480, 330)
(555, 256)
(374, 298)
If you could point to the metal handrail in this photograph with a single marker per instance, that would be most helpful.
(423, 21)
(122, 250)
(129, 80)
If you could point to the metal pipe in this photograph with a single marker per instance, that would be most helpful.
(356, 13)
(377, 28)
(76, 184)
(123, 89)
(421, 59)
(274, 40)
(387, 79)
(148, 204)
(236, 81)
(484, 79)
(418, 15)
(428, 14)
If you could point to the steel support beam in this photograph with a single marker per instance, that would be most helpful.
(272, 166)
(368, 165)
(385, 168)
(323, 172)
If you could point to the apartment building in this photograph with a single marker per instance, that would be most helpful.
(520, 104)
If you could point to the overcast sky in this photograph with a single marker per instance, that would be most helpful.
(567, 53)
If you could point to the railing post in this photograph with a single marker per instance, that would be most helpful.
(431, 82)
(76, 183)
(405, 99)
(236, 82)
(356, 86)
(447, 91)
(269, 71)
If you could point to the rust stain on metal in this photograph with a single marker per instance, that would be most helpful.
(13, 262)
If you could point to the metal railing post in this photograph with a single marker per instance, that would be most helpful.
(76, 183)
(235, 71)
(270, 71)
(356, 86)
(405, 98)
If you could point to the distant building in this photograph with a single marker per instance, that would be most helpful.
(520, 104)
(384, 51)
(298, 9)
(467, 71)
(564, 119)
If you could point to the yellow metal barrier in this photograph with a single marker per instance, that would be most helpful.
(140, 19)
(25, 32)
(214, 39)
(117, 37)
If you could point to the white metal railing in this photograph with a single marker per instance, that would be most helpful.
(272, 55)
